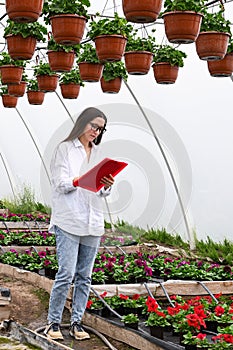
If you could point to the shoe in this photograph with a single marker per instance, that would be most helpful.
(78, 332)
(52, 331)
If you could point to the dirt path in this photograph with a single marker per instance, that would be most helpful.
(29, 307)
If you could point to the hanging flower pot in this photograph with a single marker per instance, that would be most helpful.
(221, 68)
(70, 91)
(68, 29)
(61, 61)
(21, 48)
(24, 10)
(17, 89)
(182, 27)
(112, 86)
(47, 83)
(9, 101)
(35, 97)
(110, 48)
(165, 73)
(11, 74)
(212, 45)
(90, 72)
(141, 11)
(138, 62)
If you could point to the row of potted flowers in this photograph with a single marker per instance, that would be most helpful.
(131, 268)
(44, 238)
(24, 217)
(187, 317)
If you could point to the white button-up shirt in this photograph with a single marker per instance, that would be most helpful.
(74, 209)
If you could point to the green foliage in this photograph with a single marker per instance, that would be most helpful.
(140, 44)
(109, 26)
(34, 29)
(184, 5)
(219, 252)
(88, 54)
(166, 53)
(215, 22)
(3, 90)
(32, 85)
(5, 59)
(230, 46)
(162, 236)
(57, 7)
(130, 318)
(54, 46)
(43, 69)
(24, 202)
(72, 76)
(114, 70)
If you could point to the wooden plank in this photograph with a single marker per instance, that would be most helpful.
(14, 225)
(4, 312)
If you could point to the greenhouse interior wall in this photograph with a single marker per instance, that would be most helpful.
(192, 120)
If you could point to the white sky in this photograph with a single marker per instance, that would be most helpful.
(197, 110)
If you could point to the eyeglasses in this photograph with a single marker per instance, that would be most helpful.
(97, 128)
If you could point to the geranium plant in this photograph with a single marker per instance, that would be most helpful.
(32, 85)
(5, 59)
(72, 76)
(187, 5)
(135, 43)
(215, 21)
(166, 53)
(33, 29)
(157, 317)
(54, 46)
(43, 69)
(108, 26)
(130, 318)
(87, 54)
(114, 70)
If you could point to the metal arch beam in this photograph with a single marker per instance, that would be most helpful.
(166, 162)
(8, 174)
(34, 142)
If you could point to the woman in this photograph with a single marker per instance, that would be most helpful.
(77, 220)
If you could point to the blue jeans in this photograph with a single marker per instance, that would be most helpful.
(75, 261)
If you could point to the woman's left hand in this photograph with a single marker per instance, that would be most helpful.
(108, 181)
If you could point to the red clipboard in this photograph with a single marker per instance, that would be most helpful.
(91, 179)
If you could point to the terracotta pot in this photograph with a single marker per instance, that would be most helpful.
(61, 61)
(139, 11)
(47, 83)
(212, 45)
(221, 68)
(17, 89)
(68, 29)
(24, 10)
(9, 101)
(138, 62)
(156, 331)
(35, 97)
(110, 47)
(164, 73)
(182, 27)
(90, 72)
(20, 48)
(112, 86)
(70, 91)
(11, 74)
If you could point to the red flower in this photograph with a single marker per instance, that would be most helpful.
(219, 311)
(136, 296)
(103, 295)
(89, 303)
(152, 304)
(201, 336)
(195, 321)
(123, 297)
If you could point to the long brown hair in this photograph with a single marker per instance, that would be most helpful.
(84, 118)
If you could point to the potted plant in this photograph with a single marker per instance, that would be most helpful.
(8, 100)
(213, 38)
(195, 342)
(34, 95)
(182, 20)
(24, 10)
(141, 11)
(89, 65)
(139, 54)
(68, 19)
(61, 57)
(167, 61)
(11, 70)
(21, 38)
(157, 321)
(223, 67)
(70, 83)
(131, 320)
(18, 89)
(110, 37)
(113, 74)
(47, 79)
